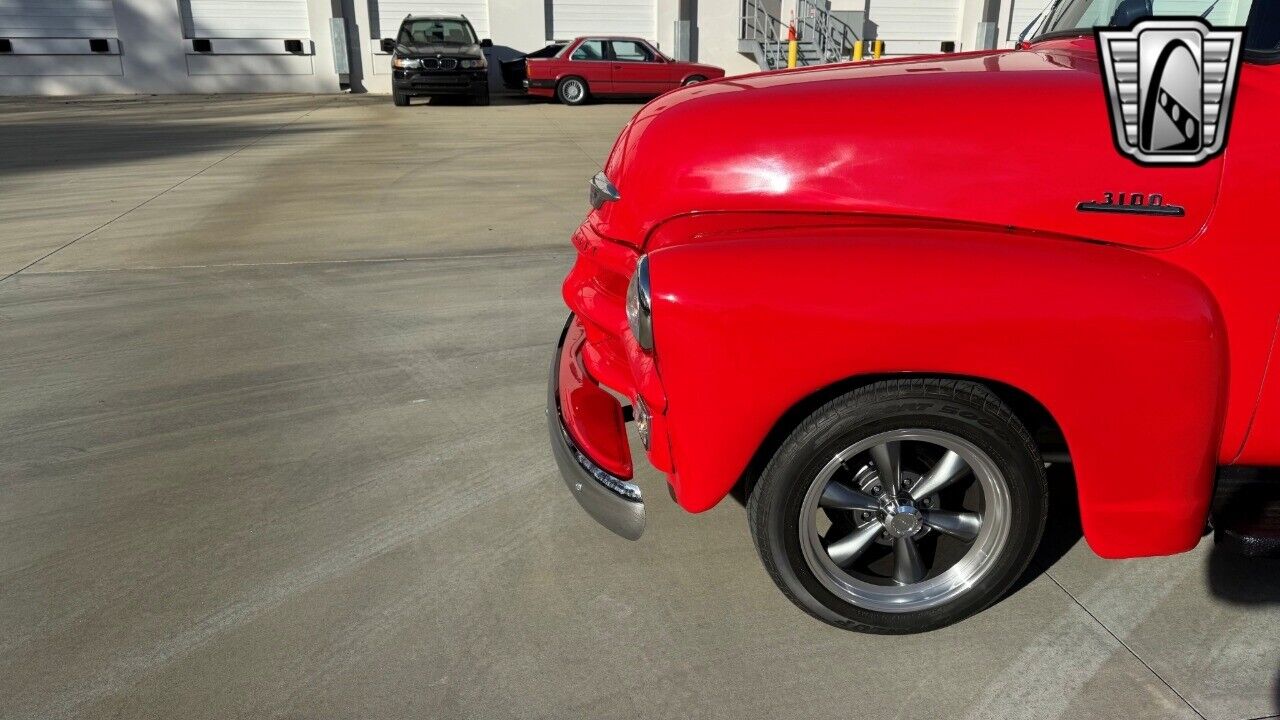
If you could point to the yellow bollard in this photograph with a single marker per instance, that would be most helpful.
(857, 51)
(877, 49)
(793, 45)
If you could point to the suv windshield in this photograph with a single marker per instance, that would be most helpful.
(1069, 15)
(435, 32)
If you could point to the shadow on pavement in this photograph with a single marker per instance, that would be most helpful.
(1244, 580)
(73, 144)
(1062, 529)
(1246, 501)
(1247, 581)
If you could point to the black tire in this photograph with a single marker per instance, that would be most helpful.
(480, 98)
(400, 99)
(694, 80)
(565, 91)
(956, 408)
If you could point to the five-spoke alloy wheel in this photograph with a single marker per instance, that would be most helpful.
(903, 506)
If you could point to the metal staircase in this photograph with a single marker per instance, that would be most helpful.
(823, 38)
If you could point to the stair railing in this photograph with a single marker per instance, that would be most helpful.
(832, 37)
(761, 27)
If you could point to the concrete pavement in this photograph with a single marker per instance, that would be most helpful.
(272, 445)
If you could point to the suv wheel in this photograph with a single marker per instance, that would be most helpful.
(903, 506)
(400, 99)
(480, 97)
(572, 91)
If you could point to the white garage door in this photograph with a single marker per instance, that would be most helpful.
(1024, 11)
(57, 18)
(391, 12)
(246, 18)
(910, 27)
(572, 18)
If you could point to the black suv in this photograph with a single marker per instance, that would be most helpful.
(438, 55)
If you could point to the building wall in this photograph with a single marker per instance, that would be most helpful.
(718, 36)
(149, 54)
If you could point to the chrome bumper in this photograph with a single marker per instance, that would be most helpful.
(614, 503)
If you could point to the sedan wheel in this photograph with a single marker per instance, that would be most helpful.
(573, 91)
(902, 506)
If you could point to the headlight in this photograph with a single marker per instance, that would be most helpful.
(405, 63)
(639, 307)
(473, 64)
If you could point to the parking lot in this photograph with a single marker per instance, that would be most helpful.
(272, 445)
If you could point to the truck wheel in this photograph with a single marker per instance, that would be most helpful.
(903, 506)
(572, 91)
(400, 99)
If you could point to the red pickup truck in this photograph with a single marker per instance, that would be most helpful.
(881, 329)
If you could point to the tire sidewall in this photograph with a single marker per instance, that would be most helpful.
(789, 476)
(560, 91)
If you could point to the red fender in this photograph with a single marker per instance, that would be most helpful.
(1126, 351)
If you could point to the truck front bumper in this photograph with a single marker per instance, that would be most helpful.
(589, 442)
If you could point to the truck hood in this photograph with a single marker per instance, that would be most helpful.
(1014, 140)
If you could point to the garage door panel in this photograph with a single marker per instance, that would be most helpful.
(57, 18)
(391, 12)
(574, 18)
(1024, 11)
(931, 21)
(247, 19)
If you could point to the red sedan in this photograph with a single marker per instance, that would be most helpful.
(592, 66)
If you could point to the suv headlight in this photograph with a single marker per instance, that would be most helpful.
(405, 63)
(639, 307)
(473, 64)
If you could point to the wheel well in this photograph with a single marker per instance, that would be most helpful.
(1044, 430)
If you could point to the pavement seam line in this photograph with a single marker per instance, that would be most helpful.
(548, 253)
(176, 185)
(1125, 646)
(569, 137)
